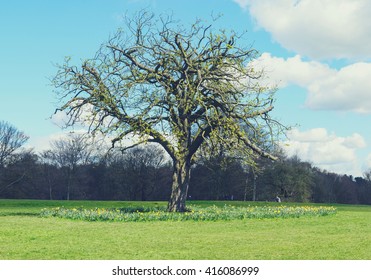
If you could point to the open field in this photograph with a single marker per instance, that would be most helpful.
(24, 235)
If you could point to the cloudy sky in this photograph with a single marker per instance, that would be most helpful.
(317, 53)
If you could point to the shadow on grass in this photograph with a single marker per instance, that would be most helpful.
(18, 214)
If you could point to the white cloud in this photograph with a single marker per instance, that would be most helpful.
(60, 119)
(320, 29)
(293, 70)
(43, 143)
(367, 165)
(243, 3)
(347, 89)
(326, 150)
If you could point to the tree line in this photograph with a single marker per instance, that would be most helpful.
(75, 168)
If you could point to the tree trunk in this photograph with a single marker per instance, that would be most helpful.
(69, 182)
(179, 190)
(246, 188)
(254, 186)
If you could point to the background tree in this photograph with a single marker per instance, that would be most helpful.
(11, 139)
(19, 179)
(142, 165)
(324, 186)
(290, 179)
(218, 175)
(156, 81)
(137, 170)
(67, 154)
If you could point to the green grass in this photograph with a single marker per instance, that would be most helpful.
(25, 235)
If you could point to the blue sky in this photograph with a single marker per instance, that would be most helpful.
(317, 52)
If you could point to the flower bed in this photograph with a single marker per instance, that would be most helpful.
(194, 213)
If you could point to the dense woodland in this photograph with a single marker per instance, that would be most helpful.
(74, 169)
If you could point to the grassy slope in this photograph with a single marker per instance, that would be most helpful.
(23, 235)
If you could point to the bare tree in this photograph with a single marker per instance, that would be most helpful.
(367, 175)
(144, 163)
(139, 168)
(156, 81)
(11, 139)
(69, 153)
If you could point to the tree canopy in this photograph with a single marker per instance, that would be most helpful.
(183, 88)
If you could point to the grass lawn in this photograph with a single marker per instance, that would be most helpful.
(25, 235)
